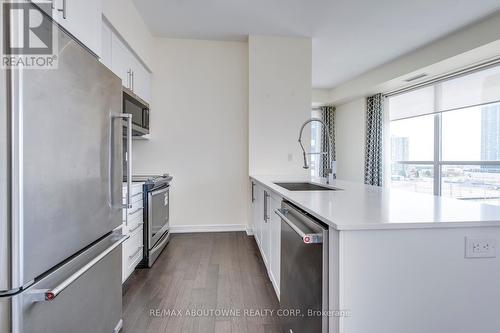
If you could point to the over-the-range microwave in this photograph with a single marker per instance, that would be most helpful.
(139, 110)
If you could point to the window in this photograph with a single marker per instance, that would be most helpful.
(315, 157)
(445, 138)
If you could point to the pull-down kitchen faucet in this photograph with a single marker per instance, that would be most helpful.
(328, 153)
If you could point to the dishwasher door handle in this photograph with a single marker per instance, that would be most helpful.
(306, 237)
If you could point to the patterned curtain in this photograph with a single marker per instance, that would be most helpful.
(328, 117)
(374, 136)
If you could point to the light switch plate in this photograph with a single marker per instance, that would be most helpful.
(480, 247)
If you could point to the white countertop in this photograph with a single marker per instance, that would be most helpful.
(361, 207)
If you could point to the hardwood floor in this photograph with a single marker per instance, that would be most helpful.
(211, 271)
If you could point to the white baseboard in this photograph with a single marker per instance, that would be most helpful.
(249, 231)
(180, 229)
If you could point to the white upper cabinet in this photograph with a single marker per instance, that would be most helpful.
(118, 57)
(106, 35)
(141, 80)
(82, 19)
(121, 59)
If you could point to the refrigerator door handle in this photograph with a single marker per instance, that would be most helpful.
(128, 117)
(41, 295)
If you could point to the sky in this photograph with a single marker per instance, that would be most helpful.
(461, 135)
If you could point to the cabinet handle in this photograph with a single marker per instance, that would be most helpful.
(266, 217)
(64, 9)
(136, 252)
(253, 191)
(133, 80)
(138, 226)
(137, 194)
(135, 211)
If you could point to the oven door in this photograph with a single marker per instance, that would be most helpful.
(158, 207)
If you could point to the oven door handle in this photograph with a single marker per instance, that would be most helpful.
(306, 237)
(162, 190)
(160, 244)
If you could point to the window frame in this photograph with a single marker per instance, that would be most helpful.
(437, 161)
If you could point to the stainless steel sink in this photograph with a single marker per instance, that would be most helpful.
(305, 186)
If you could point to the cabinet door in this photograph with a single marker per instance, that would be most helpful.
(258, 211)
(82, 19)
(106, 36)
(141, 83)
(275, 231)
(121, 60)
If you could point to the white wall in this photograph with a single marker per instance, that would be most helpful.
(125, 18)
(279, 102)
(350, 140)
(320, 96)
(199, 130)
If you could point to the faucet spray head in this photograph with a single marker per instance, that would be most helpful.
(306, 166)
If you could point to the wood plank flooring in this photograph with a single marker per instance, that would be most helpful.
(210, 271)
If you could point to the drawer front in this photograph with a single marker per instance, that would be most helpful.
(133, 224)
(134, 198)
(135, 188)
(133, 212)
(132, 252)
(136, 207)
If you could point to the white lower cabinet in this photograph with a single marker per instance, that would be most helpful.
(275, 243)
(267, 230)
(133, 225)
(257, 211)
(132, 252)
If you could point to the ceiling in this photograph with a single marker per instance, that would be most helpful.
(349, 37)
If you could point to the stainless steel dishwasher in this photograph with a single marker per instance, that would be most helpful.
(304, 271)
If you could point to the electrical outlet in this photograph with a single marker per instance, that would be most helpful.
(480, 247)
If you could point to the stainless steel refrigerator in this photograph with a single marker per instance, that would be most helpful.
(60, 202)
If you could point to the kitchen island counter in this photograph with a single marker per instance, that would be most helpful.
(356, 206)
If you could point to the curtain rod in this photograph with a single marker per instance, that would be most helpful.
(446, 77)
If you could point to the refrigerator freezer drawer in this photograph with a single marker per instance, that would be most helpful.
(92, 303)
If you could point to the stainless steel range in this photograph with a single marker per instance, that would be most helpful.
(156, 215)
